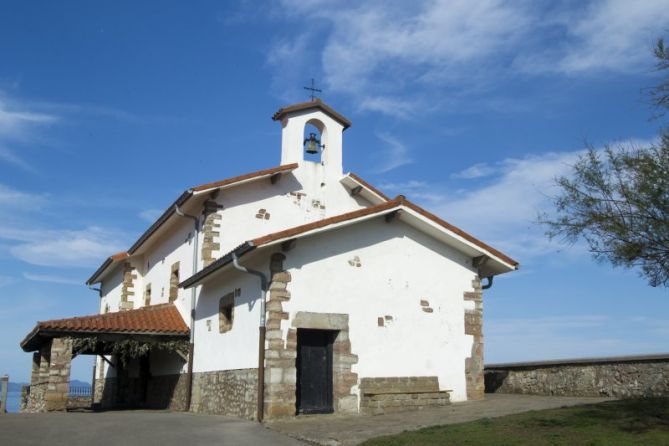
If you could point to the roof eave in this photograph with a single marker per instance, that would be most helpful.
(399, 203)
(215, 266)
(317, 103)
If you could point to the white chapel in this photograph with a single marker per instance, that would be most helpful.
(292, 290)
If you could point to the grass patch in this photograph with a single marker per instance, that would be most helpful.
(625, 422)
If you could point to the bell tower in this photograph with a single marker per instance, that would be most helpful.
(319, 149)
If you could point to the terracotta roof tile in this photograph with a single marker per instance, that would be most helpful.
(247, 176)
(296, 231)
(154, 319)
(400, 200)
(119, 256)
(316, 103)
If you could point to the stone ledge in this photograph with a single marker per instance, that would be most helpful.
(660, 357)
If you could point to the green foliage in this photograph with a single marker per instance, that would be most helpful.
(660, 94)
(618, 202)
(127, 349)
(624, 422)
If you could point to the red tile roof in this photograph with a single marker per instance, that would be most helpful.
(247, 176)
(400, 200)
(316, 103)
(119, 256)
(163, 319)
(369, 186)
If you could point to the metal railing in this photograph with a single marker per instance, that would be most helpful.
(79, 391)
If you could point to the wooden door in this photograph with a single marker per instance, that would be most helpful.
(314, 371)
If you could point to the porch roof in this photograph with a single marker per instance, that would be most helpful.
(154, 320)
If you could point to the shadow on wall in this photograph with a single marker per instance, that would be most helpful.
(161, 392)
(494, 379)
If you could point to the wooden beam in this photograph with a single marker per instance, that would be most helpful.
(288, 245)
(356, 190)
(274, 178)
(107, 361)
(182, 355)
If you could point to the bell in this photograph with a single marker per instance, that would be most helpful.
(313, 144)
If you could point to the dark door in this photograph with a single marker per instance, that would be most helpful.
(314, 371)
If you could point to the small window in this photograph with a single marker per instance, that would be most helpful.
(226, 312)
(174, 282)
(147, 295)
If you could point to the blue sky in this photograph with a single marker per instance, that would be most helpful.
(108, 110)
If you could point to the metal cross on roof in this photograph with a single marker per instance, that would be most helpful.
(313, 90)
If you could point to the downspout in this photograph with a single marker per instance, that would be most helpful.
(191, 345)
(489, 284)
(261, 337)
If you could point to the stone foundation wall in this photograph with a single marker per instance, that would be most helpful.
(168, 392)
(394, 394)
(615, 377)
(226, 392)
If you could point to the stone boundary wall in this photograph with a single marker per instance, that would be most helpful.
(226, 392)
(79, 402)
(397, 393)
(628, 376)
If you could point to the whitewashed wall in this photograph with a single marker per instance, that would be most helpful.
(399, 267)
(237, 348)
(241, 205)
(177, 246)
(111, 290)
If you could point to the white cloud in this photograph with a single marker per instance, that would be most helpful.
(503, 210)
(62, 248)
(18, 124)
(376, 49)
(51, 279)
(386, 54)
(609, 35)
(395, 155)
(15, 199)
(402, 108)
(15, 121)
(150, 215)
(476, 171)
(411, 185)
